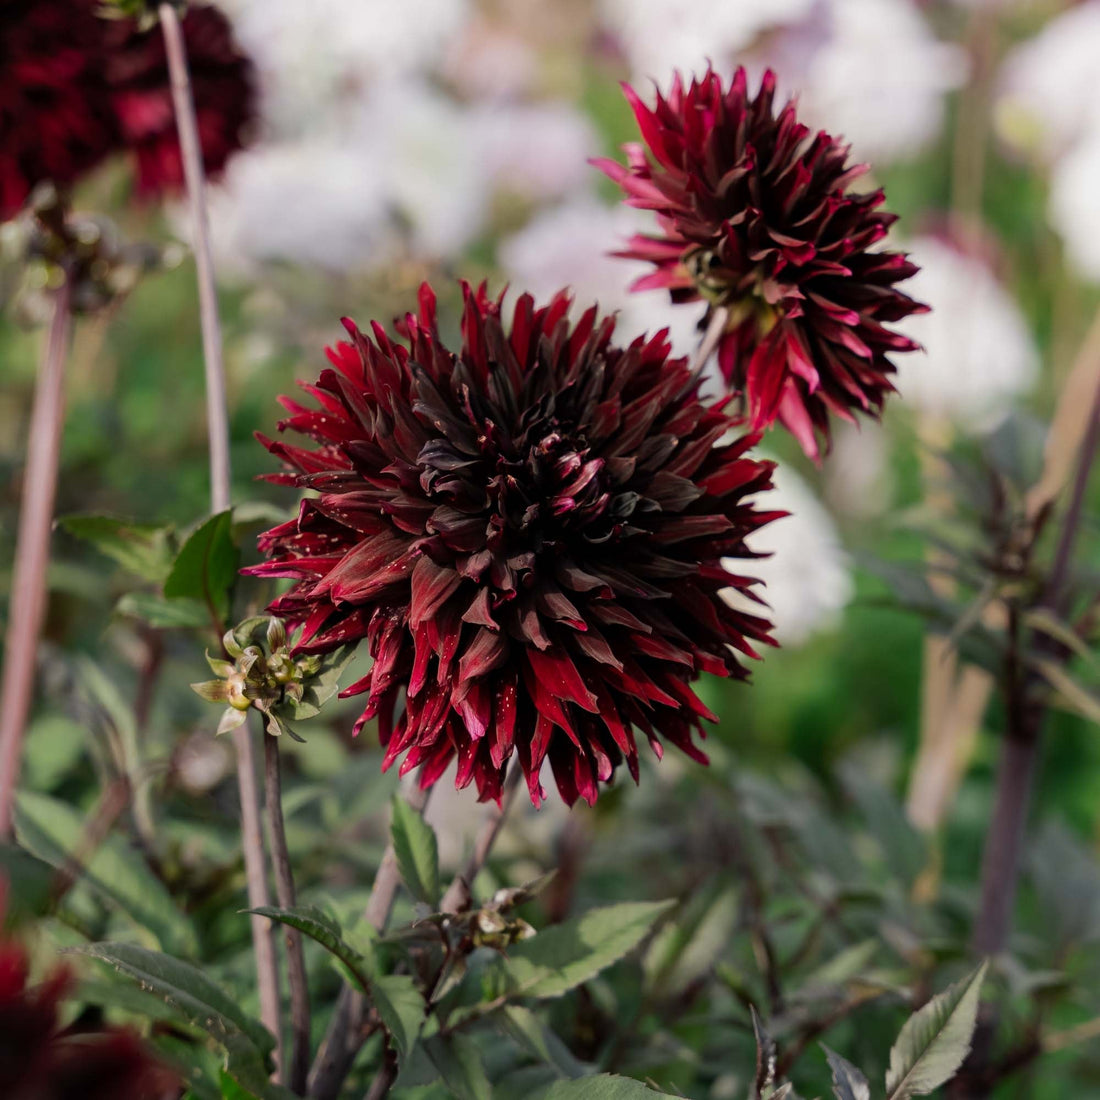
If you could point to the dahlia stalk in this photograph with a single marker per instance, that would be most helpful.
(1020, 749)
(756, 215)
(32, 551)
(218, 437)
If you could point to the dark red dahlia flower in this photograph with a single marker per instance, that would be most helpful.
(529, 535)
(39, 1061)
(223, 84)
(756, 216)
(56, 120)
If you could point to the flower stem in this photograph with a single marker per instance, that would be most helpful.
(344, 1036)
(32, 551)
(719, 318)
(284, 889)
(217, 418)
(218, 440)
(1020, 753)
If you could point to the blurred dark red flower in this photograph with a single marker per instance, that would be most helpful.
(39, 1061)
(56, 120)
(529, 535)
(756, 215)
(223, 83)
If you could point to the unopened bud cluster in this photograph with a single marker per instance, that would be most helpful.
(259, 670)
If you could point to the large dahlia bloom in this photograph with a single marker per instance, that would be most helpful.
(756, 215)
(529, 534)
(223, 84)
(56, 120)
(40, 1061)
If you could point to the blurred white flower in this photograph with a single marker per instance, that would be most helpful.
(315, 54)
(661, 35)
(979, 352)
(569, 246)
(403, 172)
(1074, 207)
(806, 580)
(420, 144)
(538, 150)
(311, 203)
(857, 474)
(872, 71)
(490, 62)
(1048, 94)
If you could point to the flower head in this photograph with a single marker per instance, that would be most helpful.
(222, 82)
(38, 1059)
(56, 120)
(529, 535)
(756, 216)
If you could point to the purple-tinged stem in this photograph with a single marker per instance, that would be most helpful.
(217, 417)
(267, 976)
(719, 318)
(1020, 752)
(284, 890)
(32, 552)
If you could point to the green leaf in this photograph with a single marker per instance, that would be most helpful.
(1047, 622)
(687, 947)
(186, 988)
(52, 831)
(206, 567)
(401, 1008)
(28, 881)
(321, 687)
(417, 853)
(935, 1040)
(529, 1032)
(164, 614)
(1067, 883)
(604, 1087)
(247, 1072)
(459, 1064)
(143, 549)
(1071, 695)
(905, 850)
(312, 922)
(565, 955)
(848, 1082)
(54, 747)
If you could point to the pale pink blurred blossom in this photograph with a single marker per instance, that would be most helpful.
(979, 352)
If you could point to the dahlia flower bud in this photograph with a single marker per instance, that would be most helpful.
(265, 673)
(86, 251)
(528, 533)
(756, 215)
